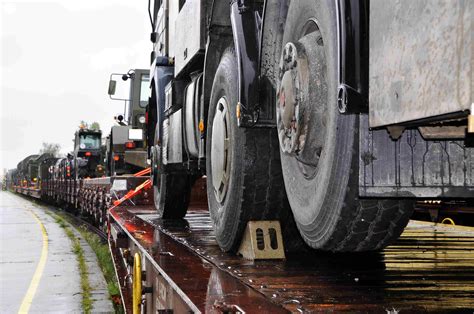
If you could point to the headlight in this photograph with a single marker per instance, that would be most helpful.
(141, 119)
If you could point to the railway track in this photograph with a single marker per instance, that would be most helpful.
(76, 221)
(81, 222)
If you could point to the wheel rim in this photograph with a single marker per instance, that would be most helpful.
(220, 150)
(302, 125)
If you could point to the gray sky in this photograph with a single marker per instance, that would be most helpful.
(56, 58)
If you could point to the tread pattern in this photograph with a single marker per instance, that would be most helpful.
(177, 195)
(172, 197)
(264, 190)
(367, 224)
(376, 223)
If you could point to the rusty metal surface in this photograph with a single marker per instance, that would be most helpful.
(202, 285)
(421, 58)
(430, 268)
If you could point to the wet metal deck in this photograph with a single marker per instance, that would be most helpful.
(430, 268)
(201, 285)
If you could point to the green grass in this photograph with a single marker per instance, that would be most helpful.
(104, 259)
(83, 273)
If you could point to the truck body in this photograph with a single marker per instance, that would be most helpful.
(357, 109)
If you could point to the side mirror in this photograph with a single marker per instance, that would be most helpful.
(112, 85)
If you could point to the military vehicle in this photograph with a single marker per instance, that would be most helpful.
(126, 145)
(88, 153)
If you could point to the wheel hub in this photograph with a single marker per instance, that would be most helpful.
(301, 100)
(220, 152)
(290, 106)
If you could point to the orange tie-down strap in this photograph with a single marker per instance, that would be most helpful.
(142, 172)
(144, 186)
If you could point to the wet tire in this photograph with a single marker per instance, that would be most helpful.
(244, 180)
(171, 191)
(322, 185)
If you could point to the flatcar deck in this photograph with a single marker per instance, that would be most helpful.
(430, 268)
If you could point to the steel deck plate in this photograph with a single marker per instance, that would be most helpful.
(429, 268)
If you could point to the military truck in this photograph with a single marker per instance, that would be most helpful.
(330, 116)
(87, 153)
(26, 174)
(34, 169)
(126, 145)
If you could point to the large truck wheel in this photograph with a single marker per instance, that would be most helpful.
(171, 191)
(244, 180)
(319, 146)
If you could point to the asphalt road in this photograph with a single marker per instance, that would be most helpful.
(38, 270)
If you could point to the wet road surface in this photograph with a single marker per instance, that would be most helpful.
(38, 270)
(21, 249)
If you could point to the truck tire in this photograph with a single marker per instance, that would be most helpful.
(171, 192)
(319, 146)
(244, 180)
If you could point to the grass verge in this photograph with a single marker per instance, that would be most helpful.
(104, 259)
(83, 273)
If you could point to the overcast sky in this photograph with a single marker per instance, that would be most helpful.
(56, 58)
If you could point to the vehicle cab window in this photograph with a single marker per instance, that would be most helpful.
(144, 90)
(89, 141)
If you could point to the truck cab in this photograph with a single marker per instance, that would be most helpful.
(87, 152)
(126, 145)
